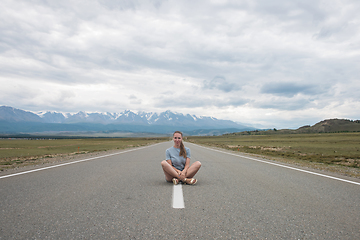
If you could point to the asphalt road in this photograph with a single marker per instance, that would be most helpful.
(125, 196)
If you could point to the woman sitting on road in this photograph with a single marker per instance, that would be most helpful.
(177, 164)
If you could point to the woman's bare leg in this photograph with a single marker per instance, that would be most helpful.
(169, 171)
(193, 169)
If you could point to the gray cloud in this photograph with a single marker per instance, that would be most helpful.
(134, 100)
(266, 57)
(289, 89)
(187, 101)
(284, 104)
(221, 84)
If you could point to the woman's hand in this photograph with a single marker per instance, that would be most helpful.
(178, 173)
(182, 175)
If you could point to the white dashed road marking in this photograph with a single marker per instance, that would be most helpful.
(178, 198)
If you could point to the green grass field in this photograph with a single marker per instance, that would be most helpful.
(22, 152)
(327, 148)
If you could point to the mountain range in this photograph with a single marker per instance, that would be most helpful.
(14, 120)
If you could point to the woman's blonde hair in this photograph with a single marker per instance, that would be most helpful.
(182, 147)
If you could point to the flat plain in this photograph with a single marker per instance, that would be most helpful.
(336, 152)
(15, 153)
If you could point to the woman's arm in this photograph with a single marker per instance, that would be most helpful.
(187, 165)
(169, 161)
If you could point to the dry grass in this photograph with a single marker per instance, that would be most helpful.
(24, 152)
(337, 152)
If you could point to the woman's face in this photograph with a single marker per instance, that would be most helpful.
(177, 139)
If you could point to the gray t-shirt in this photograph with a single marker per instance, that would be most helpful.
(177, 161)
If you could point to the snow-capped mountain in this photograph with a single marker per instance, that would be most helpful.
(142, 118)
(16, 115)
(111, 121)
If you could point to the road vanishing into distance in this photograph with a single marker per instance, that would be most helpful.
(125, 196)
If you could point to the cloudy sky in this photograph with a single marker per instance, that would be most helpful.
(277, 63)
